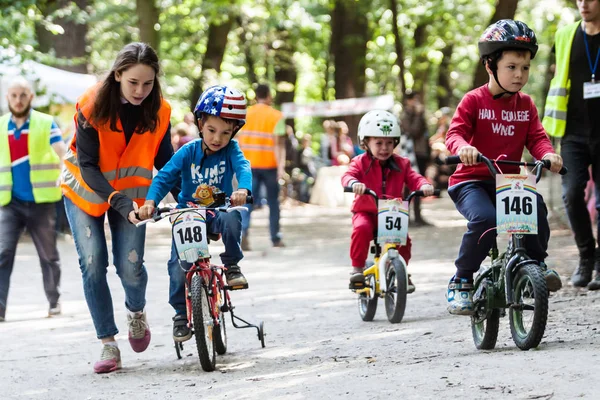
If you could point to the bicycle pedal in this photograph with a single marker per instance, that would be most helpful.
(236, 287)
(356, 285)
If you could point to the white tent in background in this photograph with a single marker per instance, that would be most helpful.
(59, 86)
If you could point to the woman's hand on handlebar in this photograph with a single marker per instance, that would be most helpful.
(238, 198)
(427, 189)
(556, 162)
(468, 155)
(132, 217)
(146, 210)
(359, 188)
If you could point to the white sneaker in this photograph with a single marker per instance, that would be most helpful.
(460, 297)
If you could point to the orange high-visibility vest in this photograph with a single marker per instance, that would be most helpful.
(257, 137)
(127, 167)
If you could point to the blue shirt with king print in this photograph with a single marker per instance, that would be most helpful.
(202, 176)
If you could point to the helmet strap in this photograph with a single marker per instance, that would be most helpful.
(494, 67)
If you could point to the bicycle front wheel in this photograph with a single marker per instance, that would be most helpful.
(395, 295)
(203, 324)
(367, 303)
(529, 312)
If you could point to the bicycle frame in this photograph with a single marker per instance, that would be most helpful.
(213, 281)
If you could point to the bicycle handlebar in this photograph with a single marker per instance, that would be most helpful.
(453, 160)
(416, 193)
(162, 212)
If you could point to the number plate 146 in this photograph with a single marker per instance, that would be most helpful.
(516, 204)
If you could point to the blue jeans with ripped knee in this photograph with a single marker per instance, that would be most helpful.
(128, 258)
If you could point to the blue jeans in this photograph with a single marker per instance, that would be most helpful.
(578, 156)
(39, 219)
(229, 225)
(128, 258)
(268, 177)
(476, 201)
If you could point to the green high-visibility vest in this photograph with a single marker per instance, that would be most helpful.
(43, 160)
(555, 114)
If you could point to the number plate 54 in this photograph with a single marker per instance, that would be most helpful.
(516, 204)
(392, 221)
(189, 235)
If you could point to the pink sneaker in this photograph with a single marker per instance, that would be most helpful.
(110, 360)
(139, 332)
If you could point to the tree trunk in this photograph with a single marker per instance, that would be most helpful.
(420, 67)
(444, 91)
(349, 37)
(245, 43)
(285, 70)
(505, 9)
(399, 44)
(148, 13)
(211, 63)
(69, 45)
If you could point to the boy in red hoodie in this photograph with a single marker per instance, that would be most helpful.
(498, 121)
(384, 172)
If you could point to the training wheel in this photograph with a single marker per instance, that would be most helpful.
(178, 348)
(261, 333)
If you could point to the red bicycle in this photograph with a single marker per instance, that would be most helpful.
(207, 295)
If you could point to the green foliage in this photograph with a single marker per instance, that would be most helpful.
(183, 26)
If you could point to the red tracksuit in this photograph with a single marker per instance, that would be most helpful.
(388, 182)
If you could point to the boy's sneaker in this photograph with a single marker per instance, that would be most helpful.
(460, 296)
(234, 276)
(356, 276)
(139, 332)
(54, 309)
(110, 360)
(181, 330)
(411, 286)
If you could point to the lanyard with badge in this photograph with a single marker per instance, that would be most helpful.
(591, 89)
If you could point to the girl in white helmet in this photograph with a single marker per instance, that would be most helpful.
(384, 172)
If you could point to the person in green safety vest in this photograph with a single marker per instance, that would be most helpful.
(572, 114)
(31, 152)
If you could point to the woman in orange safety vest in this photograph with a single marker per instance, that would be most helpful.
(123, 131)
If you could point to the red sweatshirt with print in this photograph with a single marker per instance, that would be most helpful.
(368, 170)
(499, 128)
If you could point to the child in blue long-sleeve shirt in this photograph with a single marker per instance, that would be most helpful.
(204, 167)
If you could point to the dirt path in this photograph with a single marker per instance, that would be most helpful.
(317, 346)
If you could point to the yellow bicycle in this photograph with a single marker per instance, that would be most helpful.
(387, 263)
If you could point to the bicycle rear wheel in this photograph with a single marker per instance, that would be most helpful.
(203, 324)
(220, 333)
(485, 323)
(529, 312)
(395, 295)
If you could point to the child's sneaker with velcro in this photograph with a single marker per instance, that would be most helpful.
(460, 296)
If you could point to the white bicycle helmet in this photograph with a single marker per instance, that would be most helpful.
(378, 123)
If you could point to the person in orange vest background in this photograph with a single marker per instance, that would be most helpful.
(123, 130)
(262, 140)
(31, 150)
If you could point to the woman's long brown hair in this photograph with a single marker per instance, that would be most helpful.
(108, 98)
